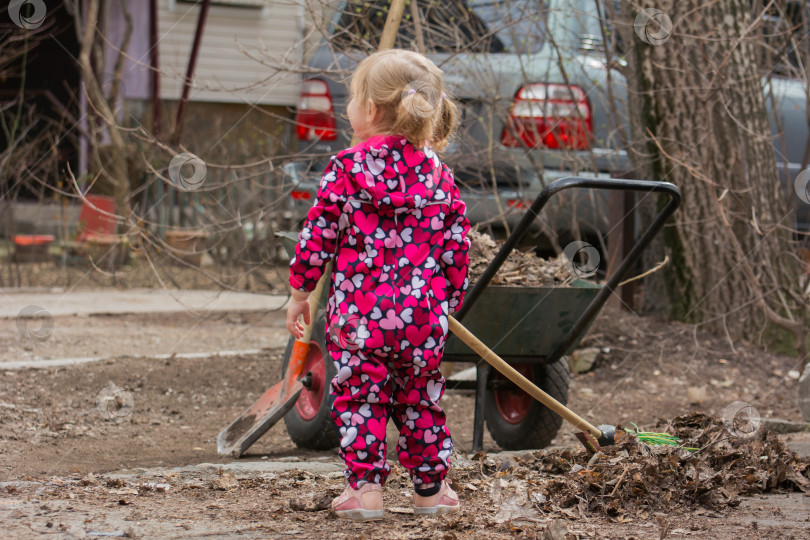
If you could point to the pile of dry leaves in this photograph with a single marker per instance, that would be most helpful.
(520, 268)
(635, 478)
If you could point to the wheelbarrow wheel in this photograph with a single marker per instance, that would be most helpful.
(308, 422)
(515, 420)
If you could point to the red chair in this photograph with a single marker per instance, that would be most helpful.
(95, 234)
(94, 219)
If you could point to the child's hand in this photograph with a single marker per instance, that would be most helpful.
(299, 305)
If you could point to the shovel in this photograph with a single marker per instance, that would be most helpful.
(280, 398)
(592, 437)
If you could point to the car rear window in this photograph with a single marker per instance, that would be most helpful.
(447, 26)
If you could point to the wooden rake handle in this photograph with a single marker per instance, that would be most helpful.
(525, 384)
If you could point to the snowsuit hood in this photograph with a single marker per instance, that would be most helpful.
(396, 175)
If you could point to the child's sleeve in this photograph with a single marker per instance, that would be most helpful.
(455, 260)
(317, 241)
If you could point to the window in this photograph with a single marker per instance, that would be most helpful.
(506, 26)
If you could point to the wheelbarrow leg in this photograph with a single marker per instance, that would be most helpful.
(482, 374)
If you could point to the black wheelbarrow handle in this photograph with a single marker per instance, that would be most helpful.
(596, 304)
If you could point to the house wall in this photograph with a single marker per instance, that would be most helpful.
(236, 42)
(238, 54)
(237, 110)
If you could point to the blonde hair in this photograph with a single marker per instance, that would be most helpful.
(408, 89)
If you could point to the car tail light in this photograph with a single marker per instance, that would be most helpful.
(549, 115)
(517, 204)
(315, 117)
(301, 195)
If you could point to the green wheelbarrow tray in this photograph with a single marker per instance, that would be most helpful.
(525, 322)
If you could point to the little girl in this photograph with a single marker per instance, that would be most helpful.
(389, 212)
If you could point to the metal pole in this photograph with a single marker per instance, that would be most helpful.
(154, 64)
(192, 64)
(154, 60)
(481, 377)
(174, 196)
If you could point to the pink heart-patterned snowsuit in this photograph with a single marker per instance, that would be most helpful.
(392, 214)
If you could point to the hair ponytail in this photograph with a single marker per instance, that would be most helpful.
(446, 124)
(415, 116)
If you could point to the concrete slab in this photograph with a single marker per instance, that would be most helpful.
(67, 302)
(799, 443)
(780, 426)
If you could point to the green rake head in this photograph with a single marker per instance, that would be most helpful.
(658, 439)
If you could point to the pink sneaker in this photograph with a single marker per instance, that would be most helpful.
(443, 502)
(364, 504)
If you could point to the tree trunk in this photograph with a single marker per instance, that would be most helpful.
(701, 124)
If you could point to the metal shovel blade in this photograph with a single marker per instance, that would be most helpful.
(259, 417)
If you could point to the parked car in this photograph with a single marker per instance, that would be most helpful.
(530, 77)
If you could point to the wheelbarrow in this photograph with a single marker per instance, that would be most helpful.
(532, 328)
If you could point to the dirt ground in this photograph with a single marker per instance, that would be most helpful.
(68, 469)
